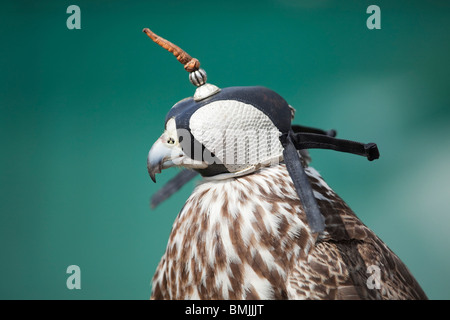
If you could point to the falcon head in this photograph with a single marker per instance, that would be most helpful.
(223, 133)
(234, 131)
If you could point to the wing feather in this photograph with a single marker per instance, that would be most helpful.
(342, 259)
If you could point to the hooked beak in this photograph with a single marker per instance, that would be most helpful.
(161, 156)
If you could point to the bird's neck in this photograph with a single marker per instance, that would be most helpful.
(236, 238)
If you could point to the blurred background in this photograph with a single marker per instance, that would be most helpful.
(80, 109)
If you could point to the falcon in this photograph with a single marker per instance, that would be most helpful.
(261, 223)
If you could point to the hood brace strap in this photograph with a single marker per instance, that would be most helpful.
(294, 166)
(292, 142)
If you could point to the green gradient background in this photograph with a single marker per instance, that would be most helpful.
(81, 108)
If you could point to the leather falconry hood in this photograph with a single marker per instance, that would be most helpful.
(291, 137)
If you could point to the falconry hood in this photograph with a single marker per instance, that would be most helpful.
(230, 132)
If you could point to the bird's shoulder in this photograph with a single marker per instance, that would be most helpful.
(349, 261)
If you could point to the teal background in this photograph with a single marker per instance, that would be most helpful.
(81, 108)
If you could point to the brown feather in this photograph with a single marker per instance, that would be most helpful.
(248, 238)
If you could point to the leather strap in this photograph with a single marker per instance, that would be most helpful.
(295, 168)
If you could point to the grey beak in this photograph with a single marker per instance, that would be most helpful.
(156, 157)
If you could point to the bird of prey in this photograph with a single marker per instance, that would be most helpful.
(262, 223)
